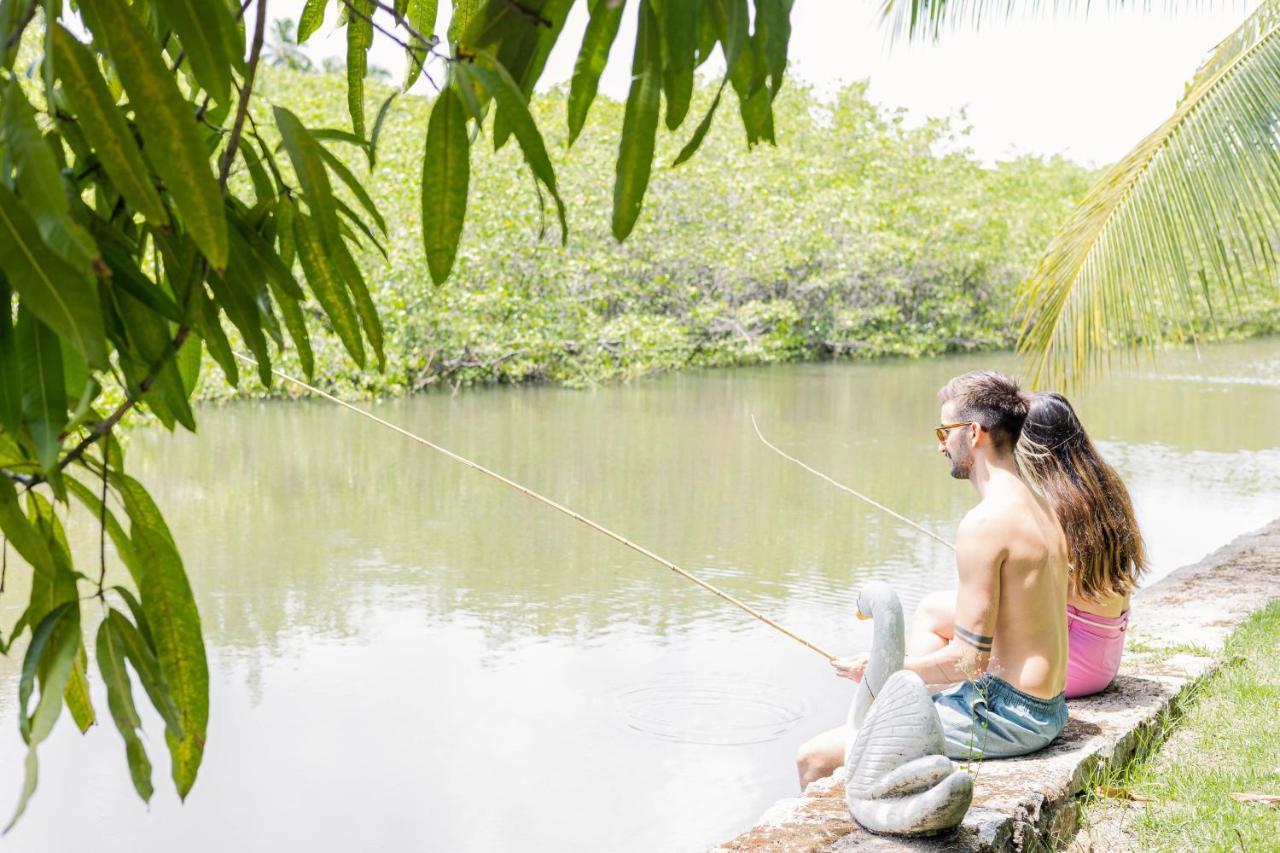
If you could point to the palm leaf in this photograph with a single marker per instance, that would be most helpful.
(1175, 230)
(928, 18)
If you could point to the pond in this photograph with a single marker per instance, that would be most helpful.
(406, 655)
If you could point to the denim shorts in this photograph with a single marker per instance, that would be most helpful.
(990, 718)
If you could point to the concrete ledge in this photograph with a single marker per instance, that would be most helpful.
(1177, 631)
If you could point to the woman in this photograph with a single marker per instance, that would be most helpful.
(1107, 553)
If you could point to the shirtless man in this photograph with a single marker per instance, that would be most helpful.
(1008, 649)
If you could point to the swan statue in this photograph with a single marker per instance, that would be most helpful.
(899, 779)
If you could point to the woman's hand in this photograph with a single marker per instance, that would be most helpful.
(851, 668)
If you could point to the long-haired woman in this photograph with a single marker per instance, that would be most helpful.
(1107, 552)
(1108, 556)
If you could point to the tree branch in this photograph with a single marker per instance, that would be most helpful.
(246, 93)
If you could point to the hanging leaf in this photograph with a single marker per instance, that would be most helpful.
(311, 18)
(308, 163)
(53, 290)
(350, 272)
(602, 29)
(639, 125)
(359, 40)
(327, 286)
(204, 29)
(166, 122)
(120, 702)
(175, 626)
(511, 101)
(378, 122)
(700, 132)
(44, 396)
(421, 15)
(49, 657)
(39, 180)
(678, 24)
(357, 188)
(104, 126)
(446, 172)
(76, 693)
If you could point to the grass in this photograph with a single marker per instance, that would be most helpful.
(1225, 740)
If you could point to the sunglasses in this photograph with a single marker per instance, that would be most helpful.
(941, 430)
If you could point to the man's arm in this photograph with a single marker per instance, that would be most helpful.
(980, 554)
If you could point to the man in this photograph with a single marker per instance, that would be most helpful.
(1008, 648)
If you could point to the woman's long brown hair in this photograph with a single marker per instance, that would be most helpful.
(1092, 504)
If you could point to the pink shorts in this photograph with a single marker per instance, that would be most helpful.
(1094, 646)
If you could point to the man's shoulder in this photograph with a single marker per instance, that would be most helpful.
(990, 516)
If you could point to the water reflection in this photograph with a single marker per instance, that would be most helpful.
(406, 655)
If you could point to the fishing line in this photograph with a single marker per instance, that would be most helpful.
(854, 492)
(549, 502)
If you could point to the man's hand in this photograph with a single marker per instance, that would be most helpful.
(851, 668)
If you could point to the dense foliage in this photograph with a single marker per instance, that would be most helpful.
(859, 235)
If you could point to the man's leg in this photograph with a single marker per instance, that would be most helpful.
(820, 756)
(934, 623)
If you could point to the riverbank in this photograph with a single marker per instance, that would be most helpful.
(1178, 639)
(1215, 784)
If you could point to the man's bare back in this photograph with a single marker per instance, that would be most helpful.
(1015, 529)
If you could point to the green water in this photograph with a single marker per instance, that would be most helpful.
(405, 655)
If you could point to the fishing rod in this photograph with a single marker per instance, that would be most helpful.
(853, 492)
(549, 502)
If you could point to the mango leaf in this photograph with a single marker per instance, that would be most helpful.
(190, 358)
(166, 122)
(311, 18)
(232, 294)
(700, 132)
(421, 15)
(327, 285)
(104, 126)
(51, 288)
(76, 693)
(369, 321)
(39, 180)
(139, 649)
(120, 539)
(359, 40)
(525, 57)
(44, 395)
(49, 657)
(602, 29)
(115, 676)
(378, 122)
(511, 102)
(150, 346)
(354, 184)
(446, 173)
(175, 627)
(308, 163)
(639, 125)
(678, 23)
(204, 29)
(206, 322)
(22, 534)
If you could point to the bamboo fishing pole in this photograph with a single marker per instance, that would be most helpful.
(854, 492)
(549, 502)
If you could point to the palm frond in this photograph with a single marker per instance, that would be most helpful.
(1177, 228)
(912, 19)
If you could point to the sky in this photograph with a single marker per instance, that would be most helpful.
(1088, 87)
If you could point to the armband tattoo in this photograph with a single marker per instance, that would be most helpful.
(977, 641)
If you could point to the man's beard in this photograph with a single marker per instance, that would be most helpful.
(961, 468)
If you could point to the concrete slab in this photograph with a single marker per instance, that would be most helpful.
(1177, 630)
